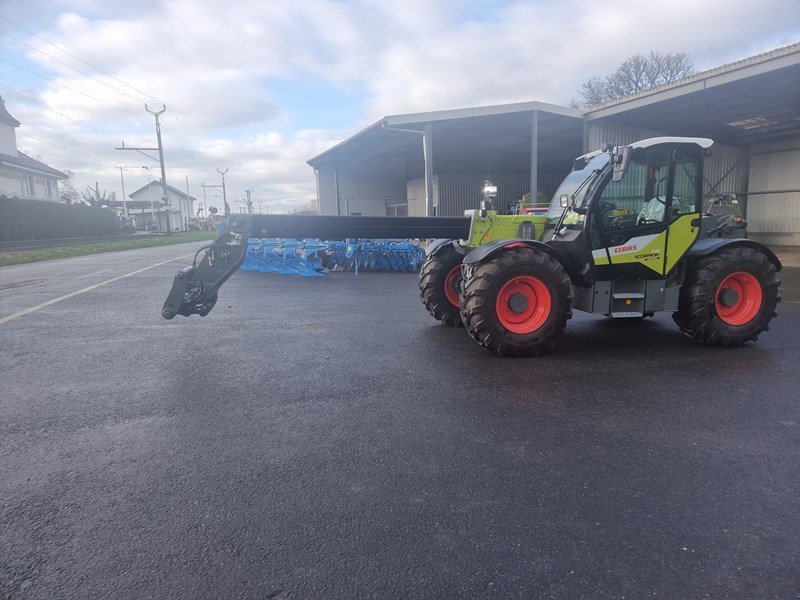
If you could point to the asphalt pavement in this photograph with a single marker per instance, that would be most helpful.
(325, 438)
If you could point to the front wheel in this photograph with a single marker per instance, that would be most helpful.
(518, 303)
(439, 283)
(729, 298)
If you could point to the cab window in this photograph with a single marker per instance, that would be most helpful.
(640, 198)
(685, 189)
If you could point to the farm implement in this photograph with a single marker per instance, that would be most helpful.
(627, 234)
(309, 257)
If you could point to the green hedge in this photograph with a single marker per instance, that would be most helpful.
(41, 220)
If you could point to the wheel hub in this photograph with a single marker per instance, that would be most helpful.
(518, 303)
(728, 297)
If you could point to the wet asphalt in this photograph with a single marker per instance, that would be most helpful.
(325, 438)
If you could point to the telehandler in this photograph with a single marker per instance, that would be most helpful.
(626, 235)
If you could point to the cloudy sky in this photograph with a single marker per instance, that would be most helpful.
(261, 86)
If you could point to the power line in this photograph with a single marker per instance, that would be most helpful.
(32, 99)
(177, 118)
(31, 46)
(188, 145)
(58, 83)
(61, 146)
(60, 49)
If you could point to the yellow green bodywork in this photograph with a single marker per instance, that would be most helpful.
(658, 252)
(504, 227)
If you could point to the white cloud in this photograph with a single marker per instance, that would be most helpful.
(213, 66)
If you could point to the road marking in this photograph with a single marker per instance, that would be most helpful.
(28, 311)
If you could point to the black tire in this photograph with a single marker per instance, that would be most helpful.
(483, 283)
(697, 314)
(432, 281)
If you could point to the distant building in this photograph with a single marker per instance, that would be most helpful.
(150, 212)
(21, 175)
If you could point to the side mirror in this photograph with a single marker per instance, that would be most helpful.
(622, 158)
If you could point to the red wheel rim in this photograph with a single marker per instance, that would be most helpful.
(532, 304)
(451, 285)
(747, 300)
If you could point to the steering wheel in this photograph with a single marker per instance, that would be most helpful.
(605, 207)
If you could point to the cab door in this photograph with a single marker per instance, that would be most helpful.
(642, 225)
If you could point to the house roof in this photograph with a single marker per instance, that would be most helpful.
(170, 189)
(23, 161)
(5, 116)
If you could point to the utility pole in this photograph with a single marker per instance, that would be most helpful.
(204, 185)
(189, 207)
(224, 197)
(160, 160)
(249, 202)
(124, 198)
(165, 196)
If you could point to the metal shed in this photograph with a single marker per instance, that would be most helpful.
(433, 163)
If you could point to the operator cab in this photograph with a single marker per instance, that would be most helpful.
(630, 211)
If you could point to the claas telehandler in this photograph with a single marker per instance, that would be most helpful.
(627, 234)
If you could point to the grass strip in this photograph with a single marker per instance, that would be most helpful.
(28, 256)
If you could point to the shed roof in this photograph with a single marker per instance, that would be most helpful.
(744, 102)
(485, 138)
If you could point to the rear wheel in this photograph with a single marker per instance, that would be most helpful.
(439, 283)
(729, 298)
(518, 303)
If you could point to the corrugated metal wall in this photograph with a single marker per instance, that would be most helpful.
(777, 211)
(458, 193)
(599, 133)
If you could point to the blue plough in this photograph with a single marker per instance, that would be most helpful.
(308, 257)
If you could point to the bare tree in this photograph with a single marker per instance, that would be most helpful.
(66, 190)
(93, 197)
(636, 74)
(307, 208)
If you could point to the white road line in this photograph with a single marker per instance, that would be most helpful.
(28, 311)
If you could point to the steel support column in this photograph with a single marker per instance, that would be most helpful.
(427, 150)
(534, 157)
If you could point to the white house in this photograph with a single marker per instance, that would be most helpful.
(21, 175)
(148, 210)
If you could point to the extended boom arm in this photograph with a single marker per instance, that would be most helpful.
(194, 289)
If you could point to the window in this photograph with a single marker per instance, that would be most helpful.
(397, 210)
(30, 188)
(48, 184)
(685, 189)
(640, 198)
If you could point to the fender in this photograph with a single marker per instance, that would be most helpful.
(486, 251)
(708, 246)
(437, 246)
